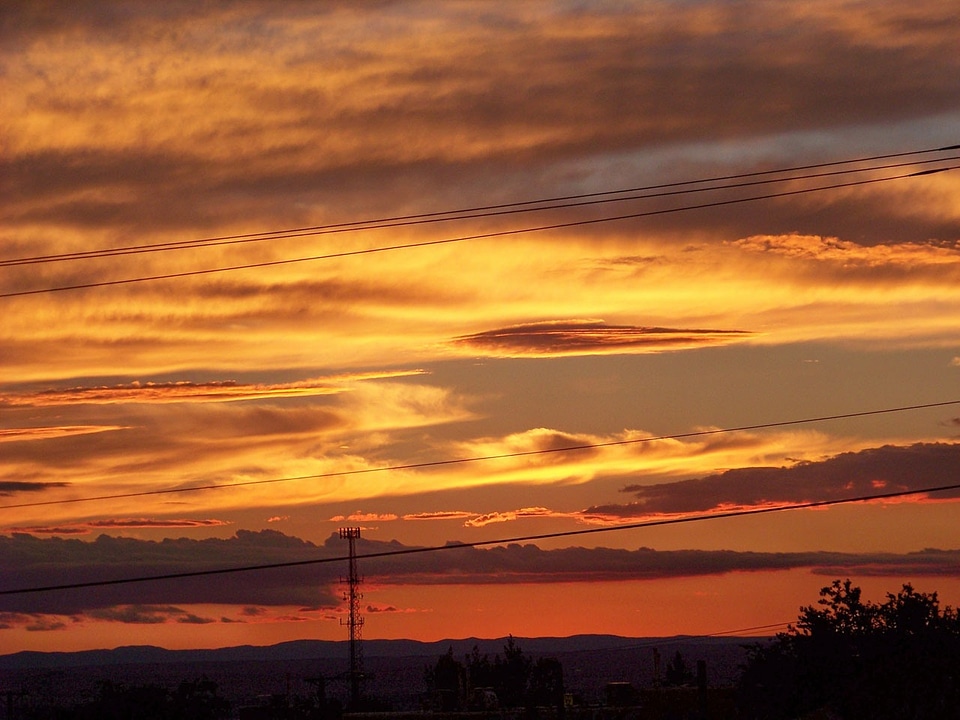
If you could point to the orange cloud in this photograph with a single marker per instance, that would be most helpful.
(364, 517)
(439, 515)
(512, 515)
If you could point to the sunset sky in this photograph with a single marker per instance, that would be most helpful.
(337, 376)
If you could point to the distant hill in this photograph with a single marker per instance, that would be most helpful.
(340, 650)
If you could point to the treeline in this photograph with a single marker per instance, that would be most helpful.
(479, 683)
(895, 660)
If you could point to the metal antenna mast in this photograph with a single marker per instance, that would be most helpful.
(353, 596)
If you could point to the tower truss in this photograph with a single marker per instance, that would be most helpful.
(352, 596)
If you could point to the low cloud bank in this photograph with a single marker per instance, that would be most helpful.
(30, 562)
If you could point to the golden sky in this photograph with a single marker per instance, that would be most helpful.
(223, 262)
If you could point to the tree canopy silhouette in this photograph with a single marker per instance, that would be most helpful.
(899, 659)
(513, 677)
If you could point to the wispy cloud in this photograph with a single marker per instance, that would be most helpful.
(202, 443)
(47, 433)
(84, 528)
(513, 515)
(440, 515)
(186, 391)
(364, 517)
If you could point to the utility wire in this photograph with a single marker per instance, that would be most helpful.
(465, 238)
(482, 543)
(484, 458)
(481, 211)
(571, 201)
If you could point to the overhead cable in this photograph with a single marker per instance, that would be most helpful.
(557, 203)
(466, 238)
(482, 543)
(549, 203)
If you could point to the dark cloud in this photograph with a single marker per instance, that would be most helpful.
(530, 564)
(381, 609)
(45, 624)
(868, 472)
(136, 614)
(147, 615)
(27, 561)
(589, 338)
(31, 562)
(9, 487)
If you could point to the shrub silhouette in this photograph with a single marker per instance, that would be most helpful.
(899, 659)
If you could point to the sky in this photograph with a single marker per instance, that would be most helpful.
(242, 309)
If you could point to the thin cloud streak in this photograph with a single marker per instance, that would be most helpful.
(186, 391)
(21, 434)
(118, 524)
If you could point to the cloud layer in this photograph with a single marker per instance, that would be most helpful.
(315, 585)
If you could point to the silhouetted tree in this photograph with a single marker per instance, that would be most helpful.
(514, 677)
(479, 669)
(899, 659)
(447, 681)
(677, 671)
(546, 683)
(511, 674)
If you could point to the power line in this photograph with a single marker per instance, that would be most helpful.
(465, 238)
(558, 203)
(483, 458)
(482, 543)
